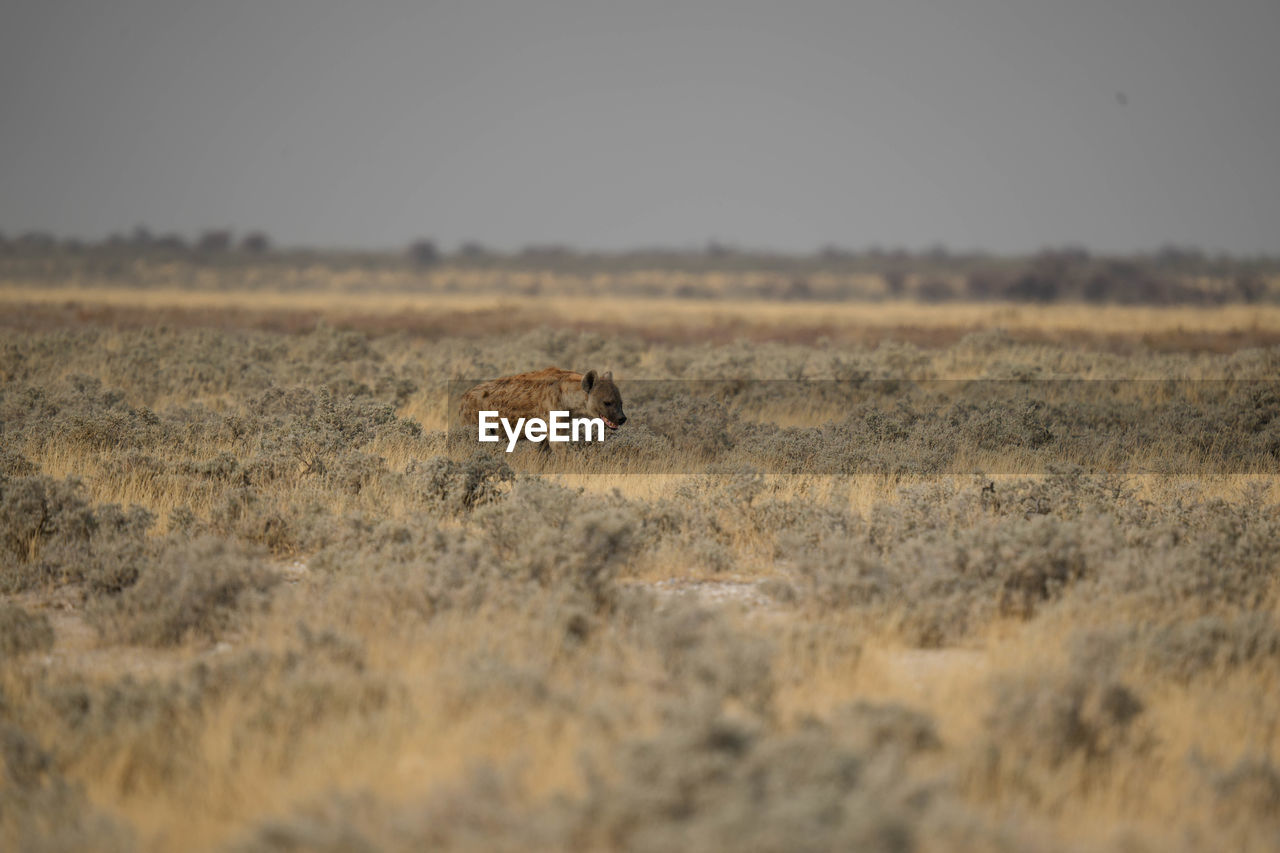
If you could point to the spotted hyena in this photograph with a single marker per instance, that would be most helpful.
(540, 392)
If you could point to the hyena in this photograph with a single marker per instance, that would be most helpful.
(540, 392)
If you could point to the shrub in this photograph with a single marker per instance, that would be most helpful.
(244, 514)
(1050, 736)
(1185, 650)
(711, 662)
(194, 590)
(939, 587)
(721, 784)
(452, 487)
(554, 538)
(22, 632)
(40, 810)
(35, 512)
(15, 465)
(317, 429)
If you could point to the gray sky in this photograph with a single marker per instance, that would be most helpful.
(978, 124)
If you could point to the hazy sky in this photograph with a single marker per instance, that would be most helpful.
(974, 123)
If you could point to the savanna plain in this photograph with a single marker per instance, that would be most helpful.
(254, 599)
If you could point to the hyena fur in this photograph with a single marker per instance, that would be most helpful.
(538, 393)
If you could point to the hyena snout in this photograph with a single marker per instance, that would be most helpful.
(611, 415)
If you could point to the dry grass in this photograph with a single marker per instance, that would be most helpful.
(363, 642)
(1214, 329)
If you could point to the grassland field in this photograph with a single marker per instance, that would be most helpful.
(252, 601)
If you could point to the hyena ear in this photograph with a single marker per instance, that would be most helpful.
(589, 381)
(608, 376)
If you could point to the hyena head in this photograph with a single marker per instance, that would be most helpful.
(603, 399)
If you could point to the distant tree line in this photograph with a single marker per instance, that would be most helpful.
(141, 239)
(1170, 275)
